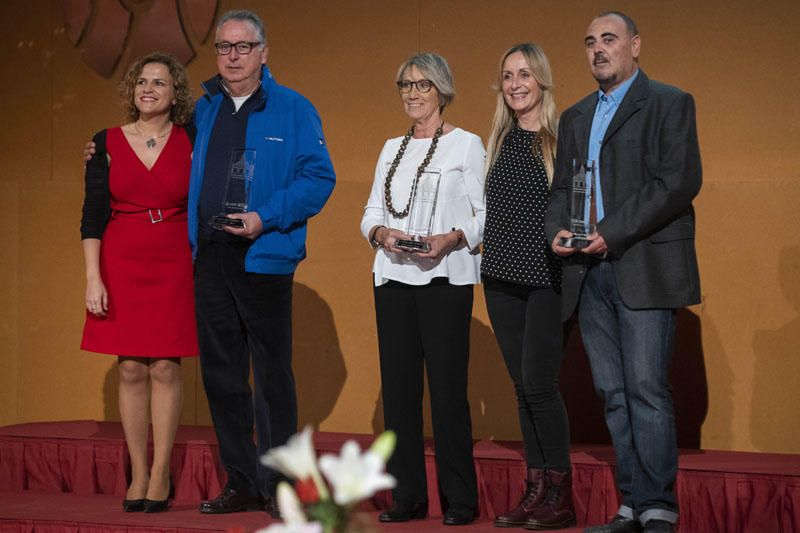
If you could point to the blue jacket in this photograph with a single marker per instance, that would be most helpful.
(294, 175)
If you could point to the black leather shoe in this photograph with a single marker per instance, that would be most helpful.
(133, 506)
(658, 526)
(457, 519)
(619, 524)
(232, 501)
(403, 512)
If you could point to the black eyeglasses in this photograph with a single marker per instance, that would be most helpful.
(242, 47)
(422, 86)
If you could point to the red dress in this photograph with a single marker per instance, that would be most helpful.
(145, 260)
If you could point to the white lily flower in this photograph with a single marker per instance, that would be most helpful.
(289, 504)
(353, 475)
(294, 519)
(297, 459)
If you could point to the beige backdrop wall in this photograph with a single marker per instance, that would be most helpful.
(736, 370)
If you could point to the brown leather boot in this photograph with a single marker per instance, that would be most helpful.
(533, 497)
(556, 511)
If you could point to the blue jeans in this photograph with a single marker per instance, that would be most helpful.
(630, 352)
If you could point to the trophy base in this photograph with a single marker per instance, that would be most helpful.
(412, 245)
(576, 242)
(219, 221)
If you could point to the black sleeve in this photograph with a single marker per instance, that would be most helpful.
(97, 199)
(191, 131)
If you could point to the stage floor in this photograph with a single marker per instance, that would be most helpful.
(64, 512)
(71, 476)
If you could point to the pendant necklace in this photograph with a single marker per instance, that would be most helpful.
(151, 141)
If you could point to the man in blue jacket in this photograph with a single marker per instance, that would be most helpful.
(243, 276)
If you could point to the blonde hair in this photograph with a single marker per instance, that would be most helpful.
(181, 112)
(504, 118)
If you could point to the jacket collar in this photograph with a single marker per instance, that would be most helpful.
(633, 101)
(215, 85)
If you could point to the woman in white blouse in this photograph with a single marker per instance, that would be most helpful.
(423, 296)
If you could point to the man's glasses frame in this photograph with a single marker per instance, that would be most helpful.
(242, 47)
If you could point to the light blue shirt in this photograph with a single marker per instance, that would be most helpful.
(607, 105)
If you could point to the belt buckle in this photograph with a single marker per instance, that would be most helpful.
(152, 218)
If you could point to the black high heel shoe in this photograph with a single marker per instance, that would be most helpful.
(133, 506)
(159, 506)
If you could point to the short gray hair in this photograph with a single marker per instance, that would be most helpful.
(435, 68)
(246, 16)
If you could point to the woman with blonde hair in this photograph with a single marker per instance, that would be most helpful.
(522, 281)
(139, 289)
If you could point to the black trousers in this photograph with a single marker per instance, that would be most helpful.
(527, 323)
(245, 318)
(427, 325)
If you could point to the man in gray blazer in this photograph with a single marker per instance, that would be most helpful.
(640, 265)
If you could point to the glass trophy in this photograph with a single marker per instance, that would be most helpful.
(237, 189)
(583, 211)
(423, 208)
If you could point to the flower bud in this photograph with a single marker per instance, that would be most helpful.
(384, 445)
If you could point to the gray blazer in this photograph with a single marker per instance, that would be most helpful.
(650, 171)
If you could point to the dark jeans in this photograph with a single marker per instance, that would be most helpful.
(244, 318)
(427, 325)
(527, 323)
(630, 352)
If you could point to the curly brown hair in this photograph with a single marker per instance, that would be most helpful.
(181, 112)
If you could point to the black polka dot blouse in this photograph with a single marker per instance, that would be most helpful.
(515, 248)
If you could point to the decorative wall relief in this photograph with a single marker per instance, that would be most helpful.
(107, 29)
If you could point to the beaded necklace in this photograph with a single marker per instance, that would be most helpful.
(387, 186)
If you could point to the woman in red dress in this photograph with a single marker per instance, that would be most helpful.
(139, 294)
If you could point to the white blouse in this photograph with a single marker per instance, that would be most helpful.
(459, 158)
